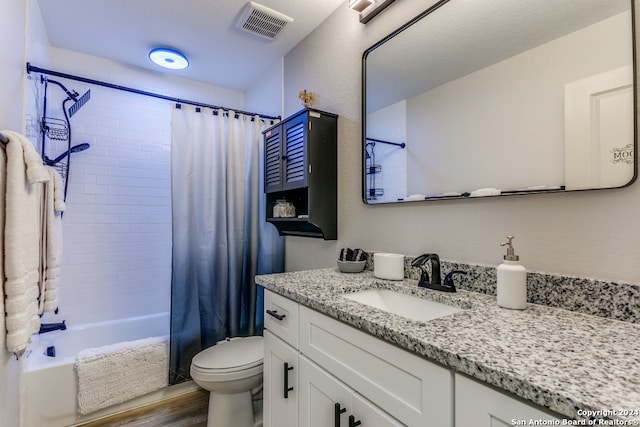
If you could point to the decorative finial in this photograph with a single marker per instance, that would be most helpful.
(307, 98)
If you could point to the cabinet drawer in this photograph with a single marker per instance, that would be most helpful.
(281, 317)
(408, 387)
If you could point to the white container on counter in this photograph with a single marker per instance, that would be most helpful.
(388, 266)
(512, 280)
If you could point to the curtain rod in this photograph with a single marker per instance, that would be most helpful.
(398, 144)
(31, 68)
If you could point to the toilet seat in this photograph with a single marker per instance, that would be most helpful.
(230, 356)
(230, 371)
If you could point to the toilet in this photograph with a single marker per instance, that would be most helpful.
(230, 371)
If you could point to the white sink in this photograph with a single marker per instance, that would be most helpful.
(402, 304)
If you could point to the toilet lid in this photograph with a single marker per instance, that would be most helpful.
(234, 353)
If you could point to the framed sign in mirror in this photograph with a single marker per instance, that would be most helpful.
(501, 97)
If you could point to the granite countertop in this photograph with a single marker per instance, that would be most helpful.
(562, 360)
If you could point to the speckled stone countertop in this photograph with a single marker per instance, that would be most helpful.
(562, 360)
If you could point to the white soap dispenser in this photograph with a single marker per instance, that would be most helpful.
(512, 280)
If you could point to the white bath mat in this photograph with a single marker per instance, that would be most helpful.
(119, 372)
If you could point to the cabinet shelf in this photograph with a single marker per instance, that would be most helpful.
(300, 166)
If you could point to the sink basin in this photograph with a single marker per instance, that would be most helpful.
(401, 304)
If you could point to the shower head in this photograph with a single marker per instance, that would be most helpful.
(80, 147)
(79, 103)
(75, 149)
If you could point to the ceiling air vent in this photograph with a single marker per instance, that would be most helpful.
(262, 21)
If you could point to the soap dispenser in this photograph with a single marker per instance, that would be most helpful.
(512, 280)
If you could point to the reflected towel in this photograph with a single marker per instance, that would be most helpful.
(484, 192)
(119, 372)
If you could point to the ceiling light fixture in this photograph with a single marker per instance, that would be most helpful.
(360, 5)
(169, 58)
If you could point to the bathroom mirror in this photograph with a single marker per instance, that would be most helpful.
(501, 97)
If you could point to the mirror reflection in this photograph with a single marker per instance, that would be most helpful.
(500, 97)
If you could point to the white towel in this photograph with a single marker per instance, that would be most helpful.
(53, 206)
(119, 372)
(484, 192)
(23, 174)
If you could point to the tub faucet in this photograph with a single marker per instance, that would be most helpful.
(49, 327)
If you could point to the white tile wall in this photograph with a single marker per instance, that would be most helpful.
(117, 224)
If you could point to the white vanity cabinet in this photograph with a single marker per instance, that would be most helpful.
(478, 405)
(409, 388)
(375, 384)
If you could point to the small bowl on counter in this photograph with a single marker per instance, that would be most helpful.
(351, 266)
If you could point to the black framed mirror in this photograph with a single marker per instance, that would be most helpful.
(478, 98)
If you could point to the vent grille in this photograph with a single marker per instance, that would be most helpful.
(262, 21)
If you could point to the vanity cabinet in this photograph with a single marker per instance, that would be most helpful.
(301, 167)
(345, 377)
(403, 387)
(478, 405)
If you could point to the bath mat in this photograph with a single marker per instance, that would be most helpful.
(119, 372)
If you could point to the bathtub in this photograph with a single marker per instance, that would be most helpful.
(50, 385)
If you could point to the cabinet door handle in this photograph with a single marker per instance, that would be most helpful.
(337, 411)
(353, 422)
(287, 389)
(275, 314)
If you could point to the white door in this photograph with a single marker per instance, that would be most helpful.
(324, 401)
(280, 383)
(599, 129)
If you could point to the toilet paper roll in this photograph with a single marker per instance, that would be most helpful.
(388, 266)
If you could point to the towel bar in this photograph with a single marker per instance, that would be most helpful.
(3, 138)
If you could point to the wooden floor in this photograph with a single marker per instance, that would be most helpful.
(187, 410)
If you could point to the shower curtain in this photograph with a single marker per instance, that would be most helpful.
(220, 237)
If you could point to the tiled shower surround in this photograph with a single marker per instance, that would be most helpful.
(619, 301)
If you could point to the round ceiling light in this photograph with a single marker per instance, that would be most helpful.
(169, 58)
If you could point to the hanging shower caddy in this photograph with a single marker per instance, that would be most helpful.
(56, 132)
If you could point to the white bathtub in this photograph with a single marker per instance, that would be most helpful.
(50, 393)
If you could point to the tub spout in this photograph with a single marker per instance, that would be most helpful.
(48, 327)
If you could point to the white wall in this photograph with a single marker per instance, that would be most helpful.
(591, 234)
(265, 95)
(11, 117)
(13, 48)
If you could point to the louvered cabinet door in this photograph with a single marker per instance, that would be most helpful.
(294, 165)
(273, 160)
